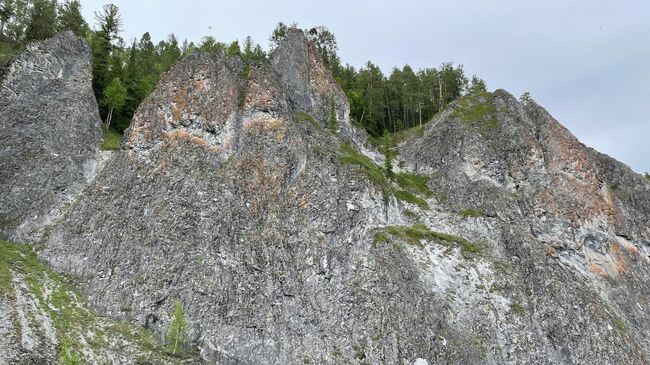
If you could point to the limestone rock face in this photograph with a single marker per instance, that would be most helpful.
(50, 132)
(497, 238)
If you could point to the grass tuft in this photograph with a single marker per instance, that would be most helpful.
(306, 117)
(518, 309)
(418, 232)
(471, 213)
(112, 140)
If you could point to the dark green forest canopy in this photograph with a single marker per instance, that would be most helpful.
(128, 72)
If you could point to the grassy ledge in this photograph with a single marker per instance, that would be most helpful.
(477, 108)
(471, 213)
(415, 234)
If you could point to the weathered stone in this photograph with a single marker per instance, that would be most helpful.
(49, 134)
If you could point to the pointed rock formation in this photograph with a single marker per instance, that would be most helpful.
(50, 134)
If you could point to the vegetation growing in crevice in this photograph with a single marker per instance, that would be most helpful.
(518, 309)
(471, 213)
(111, 140)
(406, 187)
(306, 117)
(416, 233)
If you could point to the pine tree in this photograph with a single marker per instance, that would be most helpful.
(42, 21)
(177, 337)
(70, 18)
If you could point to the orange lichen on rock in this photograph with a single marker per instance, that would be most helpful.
(618, 256)
(598, 270)
(179, 135)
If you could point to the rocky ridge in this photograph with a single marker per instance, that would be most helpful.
(244, 191)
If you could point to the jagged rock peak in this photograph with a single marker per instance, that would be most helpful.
(211, 98)
(51, 132)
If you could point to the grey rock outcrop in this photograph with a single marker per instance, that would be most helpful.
(50, 133)
(287, 243)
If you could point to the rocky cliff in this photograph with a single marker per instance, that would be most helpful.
(50, 134)
(243, 191)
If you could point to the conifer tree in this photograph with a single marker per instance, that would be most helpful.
(42, 20)
(70, 18)
(177, 337)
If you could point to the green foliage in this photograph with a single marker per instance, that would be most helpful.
(477, 108)
(620, 325)
(477, 85)
(112, 140)
(244, 75)
(115, 95)
(471, 213)
(411, 214)
(647, 176)
(371, 169)
(414, 183)
(233, 49)
(64, 306)
(406, 196)
(42, 22)
(68, 356)
(418, 232)
(525, 98)
(252, 51)
(6, 53)
(177, 336)
(70, 18)
(380, 237)
(278, 34)
(518, 309)
(408, 185)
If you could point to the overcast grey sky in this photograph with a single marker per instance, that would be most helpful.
(587, 62)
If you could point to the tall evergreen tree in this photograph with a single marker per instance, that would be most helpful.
(70, 18)
(109, 22)
(42, 21)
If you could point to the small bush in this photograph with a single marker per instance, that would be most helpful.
(647, 176)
